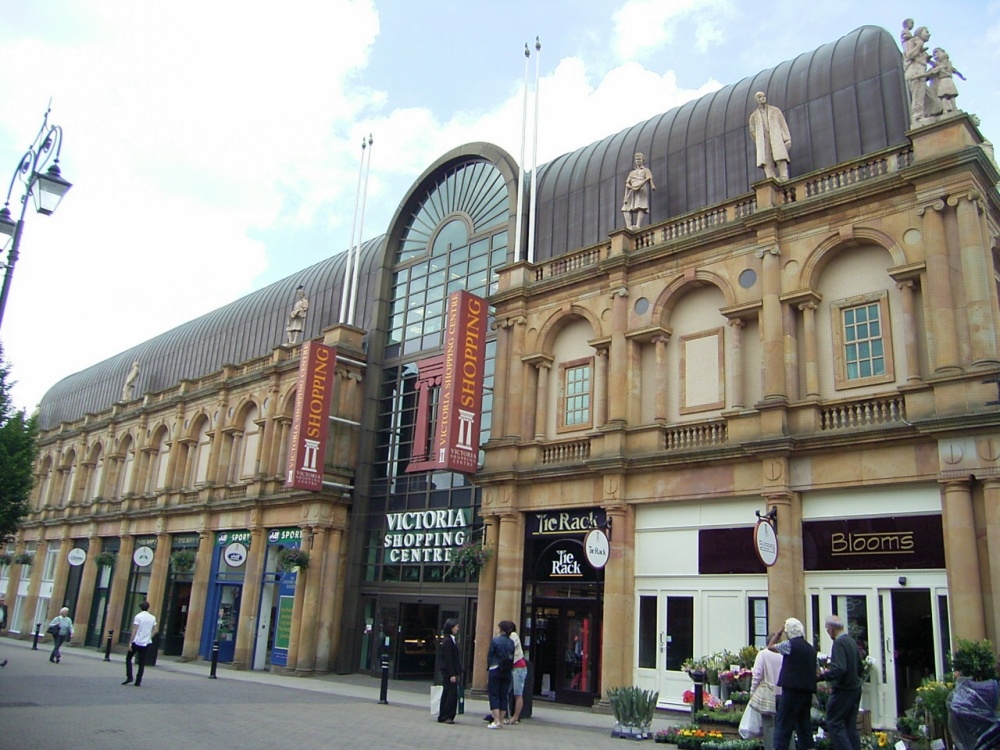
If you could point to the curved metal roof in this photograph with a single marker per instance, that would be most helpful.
(245, 329)
(845, 99)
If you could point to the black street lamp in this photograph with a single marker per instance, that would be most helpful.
(48, 189)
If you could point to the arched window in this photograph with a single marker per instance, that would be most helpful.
(127, 464)
(68, 477)
(159, 461)
(199, 464)
(96, 474)
(251, 438)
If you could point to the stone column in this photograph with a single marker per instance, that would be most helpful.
(791, 352)
(662, 380)
(510, 562)
(306, 663)
(619, 600)
(529, 400)
(247, 630)
(60, 576)
(938, 297)
(601, 387)
(962, 561)
(542, 400)
(295, 636)
(35, 583)
(516, 386)
(771, 326)
(785, 579)
(331, 603)
(487, 604)
(905, 288)
(199, 596)
(977, 276)
(158, 577)
(119, 585)
(618, 395)
(501, 365)
(282, 452)
(736, 381)
(88, 581)
(812, 364)
(991, 492)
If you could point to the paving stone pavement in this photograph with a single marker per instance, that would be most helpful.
(80, 704)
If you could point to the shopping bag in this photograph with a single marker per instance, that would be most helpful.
(763, 699)
(751, 725)
(436, 691)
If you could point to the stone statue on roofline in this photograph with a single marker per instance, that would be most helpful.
(128, 390)
(639, 182)
(297, 317)
(769, 132)
(930, 78)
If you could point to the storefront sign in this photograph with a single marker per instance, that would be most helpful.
(235, 554)
(225, 537)
(76, 557)
(143, 556)
(563, 523)
(597, 548)
(874, 543)
(427, 536)
(728, 551)
(765, 542)
(283, 536)
(455, 440)
(564, 560)
(311, 420)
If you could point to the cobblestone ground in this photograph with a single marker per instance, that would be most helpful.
(80, 704)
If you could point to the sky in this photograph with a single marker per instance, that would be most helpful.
(214, 146)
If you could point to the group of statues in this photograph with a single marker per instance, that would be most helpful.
(930, 76)
(770, 135)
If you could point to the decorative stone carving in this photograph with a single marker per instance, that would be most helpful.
(769, 132)
(128, 390)
(929, 79)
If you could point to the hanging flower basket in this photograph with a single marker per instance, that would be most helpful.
(469, 559)
(182, 560)
(292, 559)
(5, 559)
(24, 559)
(105, 559)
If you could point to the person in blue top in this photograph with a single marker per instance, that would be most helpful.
(500, 661)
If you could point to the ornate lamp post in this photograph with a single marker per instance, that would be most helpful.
(48, 189)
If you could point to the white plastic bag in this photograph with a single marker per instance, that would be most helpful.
(436, 691)
(751, 725)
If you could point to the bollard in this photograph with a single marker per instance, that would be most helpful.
(107, 646)
(383, 691)
(699, 692)
(215, 660)
(38, 632)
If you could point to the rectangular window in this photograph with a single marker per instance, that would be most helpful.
(757, 606)
(680, 631)
(864, 348)
(574, 411)
(647, 632)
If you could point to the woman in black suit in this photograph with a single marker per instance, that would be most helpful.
(451, 671)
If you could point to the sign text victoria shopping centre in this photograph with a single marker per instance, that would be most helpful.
(425, 536)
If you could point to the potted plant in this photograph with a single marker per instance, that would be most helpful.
(975, 660)
(469, 559)
(24, 558)
(182, 560)
(292, 559)
(106, 559)
(633, 709)
(5, 559)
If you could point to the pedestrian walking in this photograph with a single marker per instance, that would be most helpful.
(767, 669)
(451, 672)
(519, 675)
(844, 676)
(142, 635)
(500, 662)
(61, 628)
(797, 681)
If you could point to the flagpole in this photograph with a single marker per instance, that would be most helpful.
(534, 162)
(346, 292)
(520, 165)
(361, 235)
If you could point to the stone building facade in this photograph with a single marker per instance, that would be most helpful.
(821, 351)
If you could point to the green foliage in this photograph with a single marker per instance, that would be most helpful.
(747, 656)
(182, 560)
(18, 451)
(932, 700)
(975, 660)
(291, 558)
(469, 559)
(755, 744)
(106, 559)
(25, 558)
(5, 559)
(719, 716)
(633, 706)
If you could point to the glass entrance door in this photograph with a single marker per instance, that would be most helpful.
(566, 651)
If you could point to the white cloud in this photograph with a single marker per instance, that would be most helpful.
(641, 26)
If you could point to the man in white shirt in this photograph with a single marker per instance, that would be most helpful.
(142, 635)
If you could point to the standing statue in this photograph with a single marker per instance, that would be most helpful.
(770, 134)
(129, 388)
(924, 103)
(943, 82)
(636, 201)
(297, 317)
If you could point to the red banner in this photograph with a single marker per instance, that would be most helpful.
(311, 421)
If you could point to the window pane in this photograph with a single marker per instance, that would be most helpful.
(647, 632)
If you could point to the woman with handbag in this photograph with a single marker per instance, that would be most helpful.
(61, 628)
(451, 672)
(764, 691)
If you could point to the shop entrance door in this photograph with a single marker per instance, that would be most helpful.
(175, 625)
(566, 650)
(227, 620)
